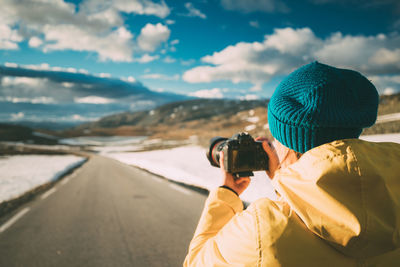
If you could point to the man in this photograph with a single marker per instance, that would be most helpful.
(339, 197)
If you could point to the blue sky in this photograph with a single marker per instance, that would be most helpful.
(205, 48)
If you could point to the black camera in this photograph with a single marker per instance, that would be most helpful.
(242, 155)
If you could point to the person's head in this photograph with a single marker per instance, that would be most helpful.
(317, 104)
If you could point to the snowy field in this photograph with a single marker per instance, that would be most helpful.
(189, 165)
(382, 138)
(20, 174)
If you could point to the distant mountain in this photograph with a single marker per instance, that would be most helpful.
(13, 133)
(205, 118)
(199, 118)
(45, 125)
(177, 112)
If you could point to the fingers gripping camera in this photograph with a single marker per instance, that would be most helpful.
(242, 155)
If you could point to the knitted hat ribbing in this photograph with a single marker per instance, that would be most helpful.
(317, 104)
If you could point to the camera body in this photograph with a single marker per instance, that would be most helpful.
(242, 155)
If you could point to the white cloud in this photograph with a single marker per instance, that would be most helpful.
(131, 79)
(17, 116)
(104, 75)
(386, 83)
(249, 6)
(151, 36)
(25, 81)
(33, 100)
(9, 37)
(93, 100)
(45, 66)
(169, 59)
(59, 38)
(389, 91)
(77, 117)
(143, 7)
(42, 66)
(385, 56)
(208, 93)
(97, 26)
(368, 54)
(194, 12)
(170, 21)
(140, 7)
(158, 76)
(287, 49)
(67, 84)
(187, 62)
(35, 42)
(146, 58)
(291, 41)
(174, 42)
(11, 65)
(254, 24)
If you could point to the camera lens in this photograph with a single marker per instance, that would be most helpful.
(216, 145)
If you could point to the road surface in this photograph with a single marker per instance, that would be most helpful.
(104, 214)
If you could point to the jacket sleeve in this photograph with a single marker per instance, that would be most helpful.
(226, 235)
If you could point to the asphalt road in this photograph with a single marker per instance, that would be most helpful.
(104, 214)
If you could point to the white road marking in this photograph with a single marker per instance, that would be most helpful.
(48, 193)
(15, 218)
(180, 189)
(65, 180)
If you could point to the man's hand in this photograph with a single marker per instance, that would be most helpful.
(273, 160)
(237, 184)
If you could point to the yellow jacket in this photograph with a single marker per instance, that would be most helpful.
(340, 206)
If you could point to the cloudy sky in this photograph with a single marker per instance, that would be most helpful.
(98, 55)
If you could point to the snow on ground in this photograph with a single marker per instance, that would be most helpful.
(382, 138)
(253, 119)
(249, 128)
(20, 174)
(189, 165)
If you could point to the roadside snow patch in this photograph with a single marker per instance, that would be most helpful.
(189, 165)
(395, 138)
(20, 174)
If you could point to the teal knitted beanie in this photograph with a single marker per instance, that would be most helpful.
(317, 104)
